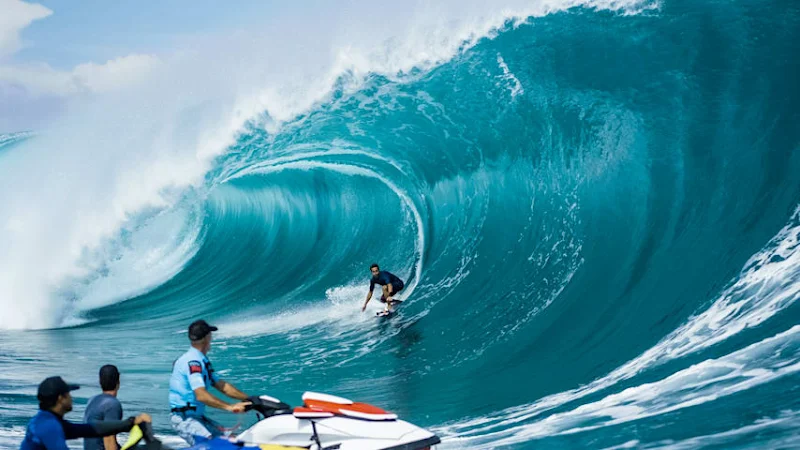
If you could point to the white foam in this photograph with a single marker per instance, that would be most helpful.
(12, 137)
(10, 437)
(707, 381)
(768, 432)
(343, 307)
(153, 254)
(308, 152)
(514, 84)
(769, 283)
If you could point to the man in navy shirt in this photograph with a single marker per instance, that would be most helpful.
(48, 430)
(104, 407)
(390, 283)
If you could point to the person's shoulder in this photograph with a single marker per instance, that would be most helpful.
(44, 423)
(179, 366)
(190, 362)
(97, 405)
(111, 407)
(38, 417)
(195, 355)
(109, 401)
(44, 416)
(94, 399)
(91, 405)
(186, 356)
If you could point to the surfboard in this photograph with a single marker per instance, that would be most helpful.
(391, 312)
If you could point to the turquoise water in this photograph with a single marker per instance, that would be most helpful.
(595, 211)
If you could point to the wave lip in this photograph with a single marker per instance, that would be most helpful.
(145, 159)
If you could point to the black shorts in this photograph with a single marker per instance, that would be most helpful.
(396, 287)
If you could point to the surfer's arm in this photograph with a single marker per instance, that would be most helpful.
(79, 430)
(369, 295)
(230, 390)
(202, 395)
(102, 428)
(113, 427)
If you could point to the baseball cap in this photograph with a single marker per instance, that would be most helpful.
(53, 387)
(200, 329)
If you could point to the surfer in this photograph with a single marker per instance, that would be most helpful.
(390, 283)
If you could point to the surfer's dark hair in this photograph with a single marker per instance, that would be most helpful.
(374, 266)
(109, 377)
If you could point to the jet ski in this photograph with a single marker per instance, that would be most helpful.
(324, 422)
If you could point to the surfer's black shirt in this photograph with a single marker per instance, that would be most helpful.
(383, 278)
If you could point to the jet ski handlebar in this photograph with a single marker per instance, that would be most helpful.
(267, 406)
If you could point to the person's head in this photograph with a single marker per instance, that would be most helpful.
(375, 269)
(109, 378)
(54, 395)
(200, 335)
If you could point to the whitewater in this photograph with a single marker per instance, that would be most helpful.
(595, 206)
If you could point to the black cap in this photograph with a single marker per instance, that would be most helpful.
(200, 329)
(53, 387)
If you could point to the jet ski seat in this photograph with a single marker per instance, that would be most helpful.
(318, 406)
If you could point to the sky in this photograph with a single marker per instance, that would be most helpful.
(93, 30)
(54, 50)
(54, 54)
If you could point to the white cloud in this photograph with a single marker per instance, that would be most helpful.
(115, 73)
(16, 15)
(37, 88)
(37, 79)
(42, 80)
(33, 94)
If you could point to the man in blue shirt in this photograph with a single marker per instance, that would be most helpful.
(104, 407)
(390, 283)
(192, 376)
(48, 430)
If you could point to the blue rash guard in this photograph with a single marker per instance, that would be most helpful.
(47, 431)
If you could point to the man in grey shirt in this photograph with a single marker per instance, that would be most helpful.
(104, 407)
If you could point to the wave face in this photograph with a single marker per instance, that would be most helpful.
(595, 213)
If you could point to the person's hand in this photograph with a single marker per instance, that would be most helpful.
(142, 418)
(238, 408)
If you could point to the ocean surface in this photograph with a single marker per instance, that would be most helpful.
(594, 206)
